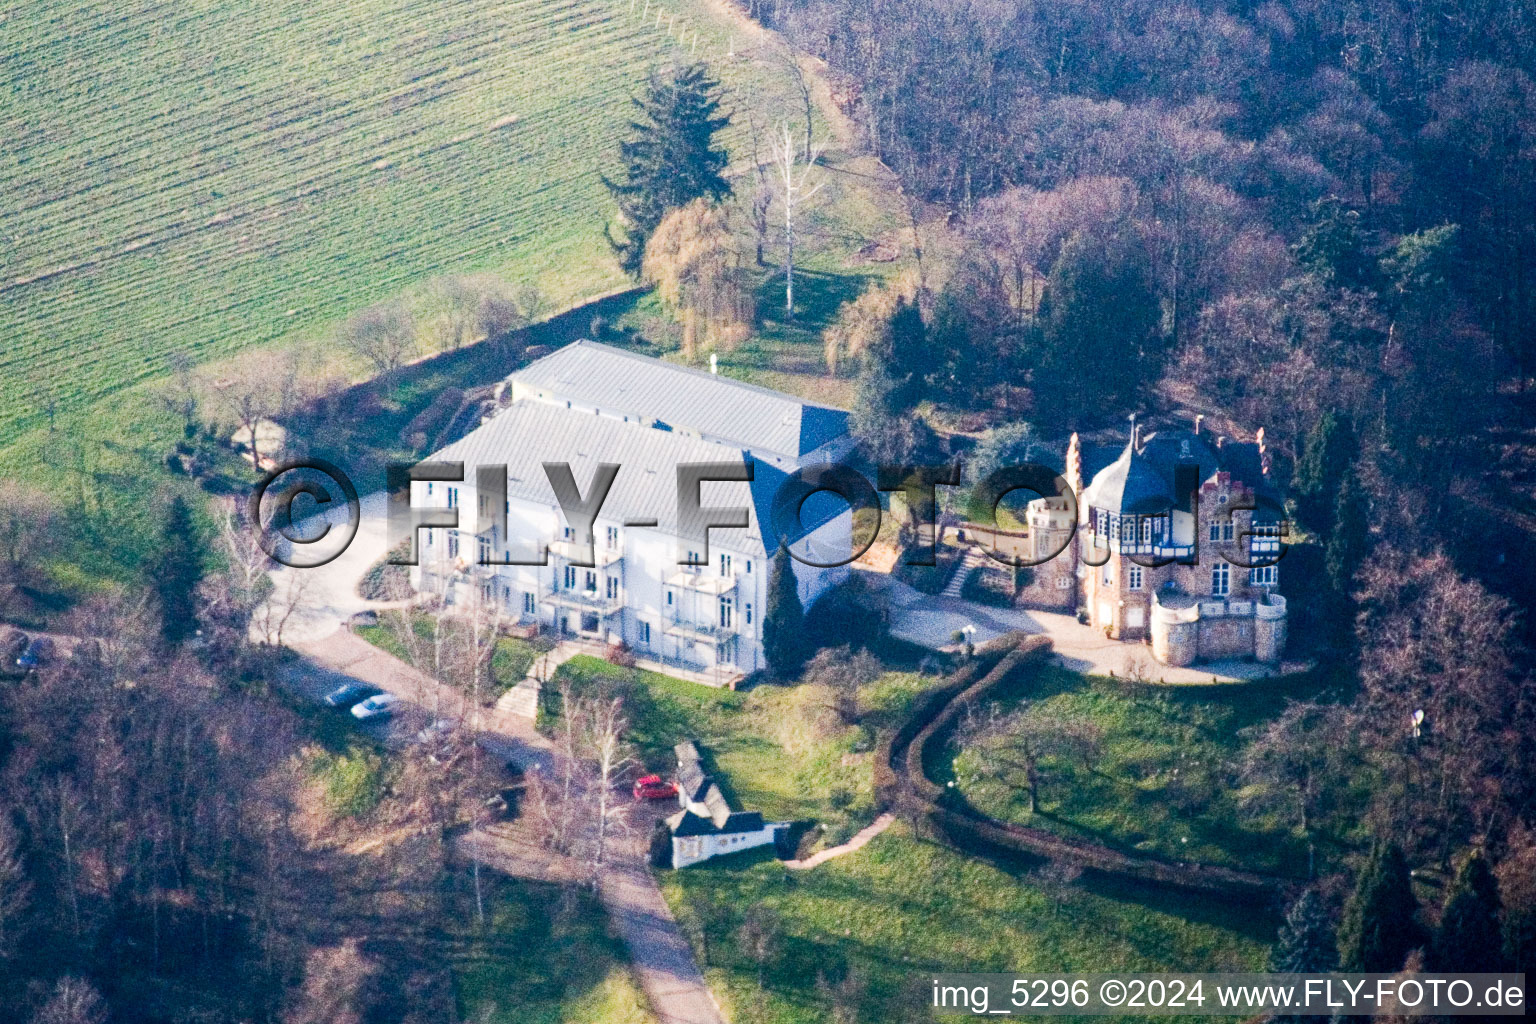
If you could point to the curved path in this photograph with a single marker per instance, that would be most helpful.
(864, 835)
(916, 796)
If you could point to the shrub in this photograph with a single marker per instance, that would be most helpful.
(385, 580)
(660, 854)
(988, 585)
(355, 782)
(620, 654)
(930, 579)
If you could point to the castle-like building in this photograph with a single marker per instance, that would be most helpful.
(1178, 535)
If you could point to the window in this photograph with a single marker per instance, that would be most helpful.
(1063, 582)
(453, 497)
(613, 588)
(613, 537)
(429, 490)
(529, 607)
(725, 565)
(565, 533)
(1146, 530)
(1264, 575)
(727, 608)
(1221, 579)
(746, 610)
(669, 599)
(645, 633)
(570, 577)
(1133, 577)
(1106, 574)
(485, 551)
(749, 567)
(1221, 530)
(453, 544)
(591, 582)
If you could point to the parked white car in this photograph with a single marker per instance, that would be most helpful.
(380, 705)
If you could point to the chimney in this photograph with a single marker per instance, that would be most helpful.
(1199, 418)
(714, 364)
(1074, 469)
(1265, 460)
(1135, 434)
(1221, 439)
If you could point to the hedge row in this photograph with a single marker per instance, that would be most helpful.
(901, 784)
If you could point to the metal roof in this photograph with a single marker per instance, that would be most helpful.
(1141, 479)
(526, 435)
(682, 398)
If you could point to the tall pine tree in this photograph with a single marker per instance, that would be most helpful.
(1306, 945)
(1379, 926)
(1469, 939)
(784, 620)
(1102, 336)
(1348, 544)
(1326, 456)
(174, 573)
(670, 158)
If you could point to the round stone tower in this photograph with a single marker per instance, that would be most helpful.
(1269, 629)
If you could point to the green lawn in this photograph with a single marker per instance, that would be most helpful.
(509, 663)
(900, 908)
(1165, 780)
(545, 957)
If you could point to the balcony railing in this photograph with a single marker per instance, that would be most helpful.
(711, 632)
(568, 551)
(703, 583)
(581, 599)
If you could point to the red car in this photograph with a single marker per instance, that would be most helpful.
(652, 787)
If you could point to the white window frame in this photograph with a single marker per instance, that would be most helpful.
(1133, 577)
(1221, 579)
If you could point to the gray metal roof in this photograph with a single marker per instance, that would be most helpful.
(525, 435)
(682, 398)
(1141, 479)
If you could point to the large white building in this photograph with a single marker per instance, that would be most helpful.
(587, 404)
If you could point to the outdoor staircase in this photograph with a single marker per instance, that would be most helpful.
(522, 700)
(972, 561)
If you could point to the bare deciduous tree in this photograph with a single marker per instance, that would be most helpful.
(604, 725)
(26, 519)
(383, 335)
(334, 990)
(843, 671)
(74, 1001)
(693, 261)
(795, 188)
(15, 890)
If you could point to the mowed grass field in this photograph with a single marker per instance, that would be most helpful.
(204, 176)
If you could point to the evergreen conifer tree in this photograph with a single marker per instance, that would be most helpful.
(1326, 456)
(1306, 945)
(670, 158)
(1378, 928)
(1348, 545)
(1469, 938)
(784, 620)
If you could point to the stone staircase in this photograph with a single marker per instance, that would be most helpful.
(972, 561)
(522, 700)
